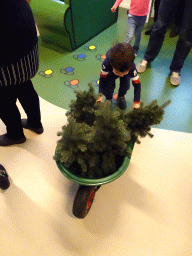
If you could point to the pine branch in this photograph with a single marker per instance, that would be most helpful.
(139, 121)
(83, 108)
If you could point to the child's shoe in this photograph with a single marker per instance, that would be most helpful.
(174, 32)
(175, 78)
(141, 67)
(148, 32)
(121, 102)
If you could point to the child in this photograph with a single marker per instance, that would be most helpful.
(136, 20)
(119, 63)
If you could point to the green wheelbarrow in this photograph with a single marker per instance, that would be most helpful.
(88, 187)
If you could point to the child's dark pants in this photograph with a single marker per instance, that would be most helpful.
(107, 85)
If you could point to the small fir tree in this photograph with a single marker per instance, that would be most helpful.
(111, 137)
(82, 109)
(74, 142)
(96, 139)
(139, 121)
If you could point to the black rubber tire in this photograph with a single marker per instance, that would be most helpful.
(83, 200)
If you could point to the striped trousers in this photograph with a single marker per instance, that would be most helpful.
(15, 83)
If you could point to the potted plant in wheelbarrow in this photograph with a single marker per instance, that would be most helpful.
(96, 144)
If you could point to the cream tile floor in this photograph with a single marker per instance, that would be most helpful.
(147, 211)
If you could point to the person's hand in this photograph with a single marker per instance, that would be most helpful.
(136, 105)
(113, 9)
(100, 99)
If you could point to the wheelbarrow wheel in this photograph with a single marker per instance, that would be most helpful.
(83, 200)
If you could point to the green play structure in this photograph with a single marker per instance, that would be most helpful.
(69, 24)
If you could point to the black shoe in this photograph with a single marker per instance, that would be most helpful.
(4, 181)
(148, 32)
(6, 141)
(121, 102)
(25, 125)
(174, 32)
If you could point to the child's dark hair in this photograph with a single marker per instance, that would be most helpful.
(121, 56)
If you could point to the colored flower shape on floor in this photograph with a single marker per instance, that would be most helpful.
(100, 57)
(80, 56)
(67, 71)
(91, 48)
(47, 73)
(73, 84)
(95, 83)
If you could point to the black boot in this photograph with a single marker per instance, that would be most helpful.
(4, 181)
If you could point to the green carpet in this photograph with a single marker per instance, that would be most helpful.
(60, 73)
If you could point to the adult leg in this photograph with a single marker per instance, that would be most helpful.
(156, 10)
(184, 43)
(30, 102)
(165, 15)
(9, 112)
(179, 13)
(182, 50)
(156, 7)
(178, 18)
(130, 28)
